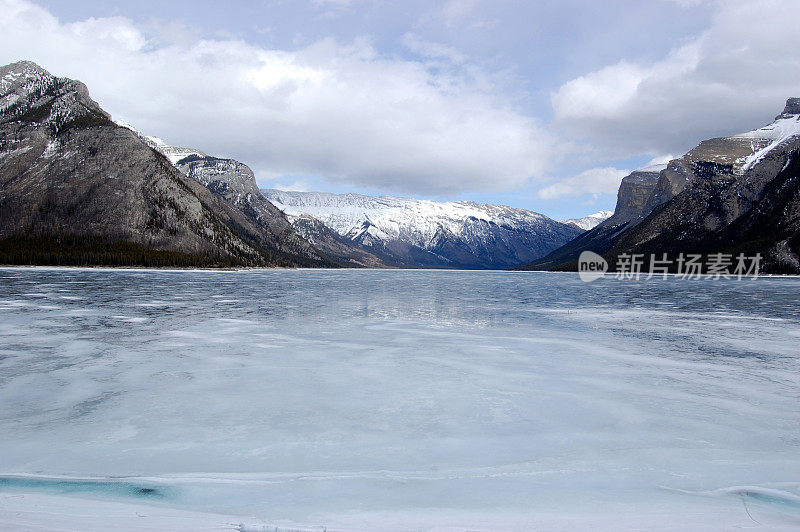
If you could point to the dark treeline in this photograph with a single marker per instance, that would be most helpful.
(75, 250)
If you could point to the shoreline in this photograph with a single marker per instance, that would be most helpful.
(607, 275)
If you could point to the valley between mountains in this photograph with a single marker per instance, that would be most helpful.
(78, 188)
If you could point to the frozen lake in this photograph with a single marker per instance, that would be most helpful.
(408, 400)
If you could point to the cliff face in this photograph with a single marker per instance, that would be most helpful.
(633, 197)
(727, 195)
(235, 183)
(67, 170)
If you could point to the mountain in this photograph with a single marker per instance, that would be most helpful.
(735, 194)
(234, 182)
(338, 247)
(76, 188)
(715, 198)
(589, 222)
(632, 199)
(172, 153)
(429, 234)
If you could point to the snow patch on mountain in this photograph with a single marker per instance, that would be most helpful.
(413, 220)
(591, 221)
(653, 168)
(173, 153)
(767, 138)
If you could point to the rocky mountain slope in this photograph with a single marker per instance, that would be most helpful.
(715, 195)
(76, 188)
(632, 198)
(736, 194)
(634, 195)
(423, 233)
(235, 182)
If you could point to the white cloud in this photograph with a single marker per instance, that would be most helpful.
(342, 111)
(734, 76)
(432, 50)
(660, 159)
(296, 186)
(593, 181)
(454, 11)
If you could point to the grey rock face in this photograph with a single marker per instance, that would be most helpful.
(711, 157)
(67, 169)
(231, 178)
(726, 181)
(735, 193)
(634, 193)
(235, 182)
(792, 108)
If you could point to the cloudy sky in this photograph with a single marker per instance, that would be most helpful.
(536, 104)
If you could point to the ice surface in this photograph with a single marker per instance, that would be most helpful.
(363, 400)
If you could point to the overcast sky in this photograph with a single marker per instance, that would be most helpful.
(544, 105)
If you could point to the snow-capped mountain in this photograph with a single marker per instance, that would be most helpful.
(591, 221)
(734, 194)
(783, 130)
(416, 232)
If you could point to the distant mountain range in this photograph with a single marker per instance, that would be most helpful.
(357, 230)
(423, 233)
(730, 195)
(78, 188)
(591, 221)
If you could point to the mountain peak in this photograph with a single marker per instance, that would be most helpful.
(29, 93)
(427, 233)
(792, 108)
(18, 80)
(21, 67)
(590, 221)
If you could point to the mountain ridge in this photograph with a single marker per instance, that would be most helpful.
(713, 199)
(590, 221)
(235, 182)
(68, 173)
(427, 233)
